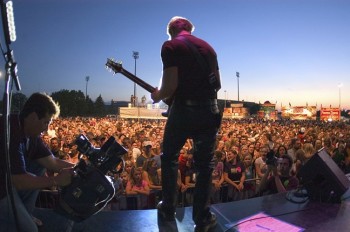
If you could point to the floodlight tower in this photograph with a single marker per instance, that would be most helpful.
(136, 56)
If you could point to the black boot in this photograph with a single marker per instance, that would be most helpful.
(207, 226)
(165, 214)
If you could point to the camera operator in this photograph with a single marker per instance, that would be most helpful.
(278, 177)
(29, 157)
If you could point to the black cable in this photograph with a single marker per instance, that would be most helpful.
(9, 67)
(3, 52)
(6, 141)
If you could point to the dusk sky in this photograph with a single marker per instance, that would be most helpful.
(286, 51)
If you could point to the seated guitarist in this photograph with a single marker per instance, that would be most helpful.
(194, 114)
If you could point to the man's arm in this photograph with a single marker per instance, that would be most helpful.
(264, 179)
(278, 182)
(169, 85)
(27, 180)
(54, 164)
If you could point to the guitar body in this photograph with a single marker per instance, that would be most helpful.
(117, 67)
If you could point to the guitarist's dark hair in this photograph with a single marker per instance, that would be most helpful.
(178, 24)
(42, 104)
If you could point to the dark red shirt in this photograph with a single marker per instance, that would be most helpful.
(193, 80)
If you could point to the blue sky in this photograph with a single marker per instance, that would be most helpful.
(295, 51)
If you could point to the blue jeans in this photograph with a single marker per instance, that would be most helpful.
(29, 197)
(7, 219)
(201, 124)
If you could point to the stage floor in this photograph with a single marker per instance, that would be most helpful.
(267, 213)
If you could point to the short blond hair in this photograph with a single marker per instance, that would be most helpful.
(178, 24)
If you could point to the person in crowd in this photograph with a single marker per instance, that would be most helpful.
(221, 147)
(234, 175)
(136, 151)
(145, 154)
(346, 165)
(300, 159)
(51, 131)
(339, 153)
(296, 145)
(303, 155)
(277, 181)
(74, 154)
(243, 151)
(217, 177)
(68, 139)
(257, 153)
(194, 92)
(249, 184)
(124, 176)
(120, 183)
(129, 165)
(260, 163)
(281, 150)
(46, 138)
(318, 144)
(29, 158)
(157, 151)
(251, 149)
(183, 157)
(128, 156)
(151, 174)
(66, 152)
(190, 181)
(137, 186)
(55, 147)
(60, 134)
(328, 146)
(309, 151)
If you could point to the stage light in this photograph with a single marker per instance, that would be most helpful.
(11, 21)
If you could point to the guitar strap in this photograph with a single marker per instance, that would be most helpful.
(200, 59)
(203, 63)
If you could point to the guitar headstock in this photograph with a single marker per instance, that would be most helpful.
(116, 67)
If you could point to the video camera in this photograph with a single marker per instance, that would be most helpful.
(105, 158)
(91, 189)
(271, 159)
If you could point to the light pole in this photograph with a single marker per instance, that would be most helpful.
(225, 99)
(339, 86)
(87, 78)
(237, 75)
(136, 56)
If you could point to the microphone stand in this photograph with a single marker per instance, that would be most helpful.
(10, 77)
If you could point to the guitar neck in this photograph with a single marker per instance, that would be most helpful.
(137, 80)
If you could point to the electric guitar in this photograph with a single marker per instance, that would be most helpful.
(117, 67)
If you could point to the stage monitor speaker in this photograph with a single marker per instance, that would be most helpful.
(323, 179)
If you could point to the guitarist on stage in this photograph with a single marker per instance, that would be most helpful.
(194, 113)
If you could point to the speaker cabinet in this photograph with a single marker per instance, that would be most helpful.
(323, 179)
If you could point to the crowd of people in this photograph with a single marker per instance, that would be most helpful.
(240, 156)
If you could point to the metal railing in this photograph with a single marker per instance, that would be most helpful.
(49, 198)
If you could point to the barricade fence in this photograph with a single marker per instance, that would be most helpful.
(226, 193)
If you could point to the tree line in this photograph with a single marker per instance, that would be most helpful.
(72, 103)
